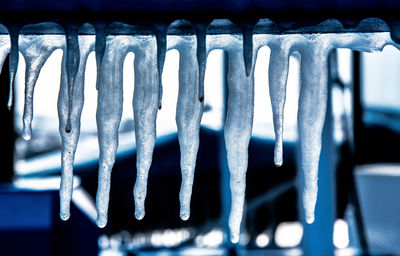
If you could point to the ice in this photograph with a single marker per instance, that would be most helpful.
(109, 111)
(145, 105)
(149, 52)
(13, 61)
(72, 61)
(201, 57)
(70, 138)
(188, 114)
(100, 48)
(278, 73)
(238, 124)
(311, 117)
(36, 49)
(5, 46)
(161, 38)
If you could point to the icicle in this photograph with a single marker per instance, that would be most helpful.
(161, 35)
(70, 139)
(201, 57)
(145, 104)
(5, 46)
(278, 73)
(237, 132)
(238, 124)
(248, 49)
(13, 61)
(189, 111)
(311, 117)
(100, 48)
(109, 112)
(36, 49)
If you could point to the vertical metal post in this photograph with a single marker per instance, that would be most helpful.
(356, 146)
(7, 133)
(318, 236)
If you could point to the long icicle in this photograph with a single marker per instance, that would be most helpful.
(189, 111)
(311, 117)
(278, 73)
(36, 49)
(70, 139)
(237, 131)
(145, 105)
(109, 112)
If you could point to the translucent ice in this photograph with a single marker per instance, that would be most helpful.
(188, 115)
(238, 124)
(73, 115)
(36, 49)
(145, 105)
(4, 49)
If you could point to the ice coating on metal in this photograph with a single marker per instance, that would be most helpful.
(314, 50)
(238, 123)
(70, 139)
(189, 111)
(36, 49)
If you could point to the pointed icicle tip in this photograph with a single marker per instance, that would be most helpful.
(101, 221)
(139, 215)
(185, 215)
(64, 216)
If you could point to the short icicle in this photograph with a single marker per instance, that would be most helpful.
(201, 57)
(189, 111)
(13, 61)
(278, 73)
(145, 105)
(161, 37)
(70, 139)
(100, 48)
(109, 112)
(311, 117)
(72, 65)
(36, 49)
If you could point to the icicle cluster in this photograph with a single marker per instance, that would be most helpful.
(111, 50)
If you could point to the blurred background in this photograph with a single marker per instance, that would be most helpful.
(358, 201)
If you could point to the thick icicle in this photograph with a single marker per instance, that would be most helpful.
(238, 124)
(311, 117)
(70, 139)
(109, 112)
(5, 46)
(201, 57)
(278, 73)
(72, 65)
(189, 111)
(237, 132)
(145, 105)
(13, 61)
(36, 49)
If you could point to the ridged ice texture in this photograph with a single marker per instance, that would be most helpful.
(36, 49)
(5, 46)
(145, 105)
(189, 111)
(13, 62)
(238, 123)
(314, 50)
(74, 99)
(109, 111)
(278, 73)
